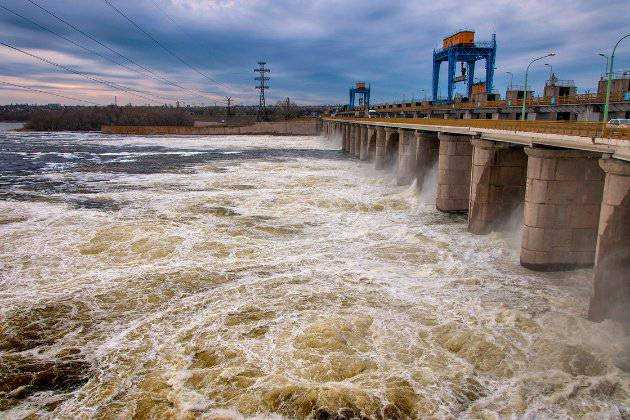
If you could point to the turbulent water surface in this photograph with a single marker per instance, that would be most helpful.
(272, 277)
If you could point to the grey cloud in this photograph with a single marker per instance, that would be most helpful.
(316, 49)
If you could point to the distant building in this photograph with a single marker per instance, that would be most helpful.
(478, 93)
(516, 92)
(556, 88)
(620, 83)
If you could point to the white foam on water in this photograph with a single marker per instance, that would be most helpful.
(258, 287)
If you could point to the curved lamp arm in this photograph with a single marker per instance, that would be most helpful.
(525, 87)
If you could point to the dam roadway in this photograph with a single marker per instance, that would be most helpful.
(567, 183)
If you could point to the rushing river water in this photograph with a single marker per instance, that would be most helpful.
(273, 277)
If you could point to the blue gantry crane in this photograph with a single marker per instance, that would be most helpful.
(363, 91)
(461, 47)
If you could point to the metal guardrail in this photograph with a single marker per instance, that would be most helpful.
(582, 99)
(582, 129)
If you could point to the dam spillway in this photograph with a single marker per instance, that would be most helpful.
(551, 178)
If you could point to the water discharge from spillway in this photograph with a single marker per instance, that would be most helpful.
(262, 276)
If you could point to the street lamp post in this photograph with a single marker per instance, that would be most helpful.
(550, 70)
(525, 87)
(605, 64)
(610, 73)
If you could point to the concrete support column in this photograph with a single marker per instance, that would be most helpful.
(611, 297)
(363, 153)
(391, 146)
(348, 138)
(357, 140)
(454, 164)
(562, 203)
(371, 138)
(363, 135)
(353, 134)
(344, 138)
(427, 151)
(497, 184)
(379, 154)
(405, 172)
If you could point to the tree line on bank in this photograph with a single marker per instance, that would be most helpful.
(92, 118)
(55, 117)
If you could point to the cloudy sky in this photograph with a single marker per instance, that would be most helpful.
(199, 51)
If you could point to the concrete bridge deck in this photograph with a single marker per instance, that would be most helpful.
(579, 135)
(569, 186)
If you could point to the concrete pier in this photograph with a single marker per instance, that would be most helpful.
(611, 297)
(363, 153)
(454, 164)
(353, 133)
(349, 130)
(562, 203)
(350, 137)
(427, 152)
(379, 154)
(371, 143)
(497, 185)
(405, 171)
(391, 147)
(357, 140)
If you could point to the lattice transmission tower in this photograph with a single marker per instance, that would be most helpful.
(262, 79)
(228, 111)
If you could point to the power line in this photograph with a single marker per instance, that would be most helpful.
(47, 92)
(117, 53)
(87, 76)
(188, 34)
(33, 22)
(158, 43)
(66, 38)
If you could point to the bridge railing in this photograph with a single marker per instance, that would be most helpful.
(582, 99)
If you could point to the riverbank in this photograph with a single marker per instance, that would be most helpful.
(10, 126)
(282, 128)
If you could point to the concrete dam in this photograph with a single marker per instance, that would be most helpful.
(570, 193)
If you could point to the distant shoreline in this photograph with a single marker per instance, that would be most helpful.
(12, 126)
(287, 128)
